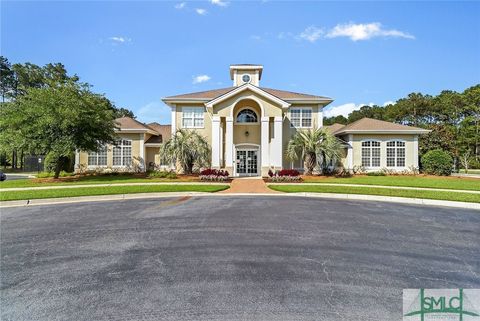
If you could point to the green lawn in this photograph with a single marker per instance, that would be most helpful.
(438, 195)
(107, 190)
(405, 181)
(84, 180)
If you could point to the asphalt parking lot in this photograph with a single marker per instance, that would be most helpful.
(235, 258)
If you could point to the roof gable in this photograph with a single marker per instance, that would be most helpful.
(247, 87)
(370, 125)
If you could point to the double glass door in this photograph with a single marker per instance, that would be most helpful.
(247, 162)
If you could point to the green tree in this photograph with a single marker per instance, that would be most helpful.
(314, 147)
(57, 120)
(340, 119)
(123, 112)
(187, 148)
(8, 83)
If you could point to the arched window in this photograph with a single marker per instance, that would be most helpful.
(395, 153)
(247, 116)
(371, 153)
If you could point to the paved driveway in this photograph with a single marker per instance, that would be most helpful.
(237, 258)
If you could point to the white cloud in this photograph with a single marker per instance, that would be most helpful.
(200, 78)
(219, 3)
(256, 37)
(120, 40)
(366, 31)
(154, 112)
(388, 103)
(201, 11)
(343, 110)
(180, 5)
(311, 34)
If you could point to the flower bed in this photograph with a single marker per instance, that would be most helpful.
(285, 175)
(214, 175)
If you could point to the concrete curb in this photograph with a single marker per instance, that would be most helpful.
(383, 186)
(360, 197)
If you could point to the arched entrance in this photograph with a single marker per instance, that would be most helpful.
(247, 137)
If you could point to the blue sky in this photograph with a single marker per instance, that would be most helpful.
(355, 52)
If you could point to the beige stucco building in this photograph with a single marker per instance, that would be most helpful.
(249, 126)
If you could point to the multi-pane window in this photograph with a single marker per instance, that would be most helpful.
(192, 117)
(301, 117)
(371, 153)
(98, 158)
(396, 154)
(122, 153)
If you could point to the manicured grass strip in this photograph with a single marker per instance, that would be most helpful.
(404, 181)
(85, 180)
(108, 190)
(447, 196)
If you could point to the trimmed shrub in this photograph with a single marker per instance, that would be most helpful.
(376, 174)
(51, 174)
(162, 174)
(214, 175)
(437, 162)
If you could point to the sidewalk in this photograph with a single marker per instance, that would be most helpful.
(249, 185)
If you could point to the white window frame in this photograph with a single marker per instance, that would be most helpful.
(195, 116)
(301, 118)
(395, 156)
(123, 145)
(371, 157)
(97, 155)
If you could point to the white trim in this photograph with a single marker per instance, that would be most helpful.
(265, 128)
(229, 150)
(77, 159)
(142, 152)
(173, 119)
(371, 157)
(415, 151)
(320, 116)
(368, 131)
(301, 108)
(255, 99)
(396, 157)
(246, 108)
(350, 152)
(244, 87)
(247, 147)
(193, 118)
(216, 141)
(276, 150)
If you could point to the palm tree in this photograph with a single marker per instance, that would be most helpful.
(187, 148)
(315, 147)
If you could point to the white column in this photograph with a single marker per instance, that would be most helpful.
(215, 141)
(229, 143)
(265, 142)
(320, 116)
(77, 160)
(415, 151)
(276, 153)
(142, 164)
(350, 153)
(174, 119)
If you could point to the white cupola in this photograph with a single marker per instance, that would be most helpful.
(246, 73)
